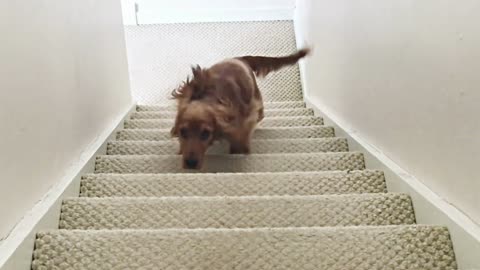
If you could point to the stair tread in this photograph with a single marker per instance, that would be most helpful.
(267, 122)
(257, 146)
(232, 184)
(259, 133)
(170, 113)
(233, 163)
(267, 105)
(237, 212)
(333, 248)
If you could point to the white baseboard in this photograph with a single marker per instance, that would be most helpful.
(16, 250)
(212, 15)
(429, 207)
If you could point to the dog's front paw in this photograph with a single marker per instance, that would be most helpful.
(239, 149)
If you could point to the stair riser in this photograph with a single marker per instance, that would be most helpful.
(267, 106)
(248, 184)
(259, 133)
(267, 122)
(233, 163)
(239, 212)
(257, 147)
(170, 114)
(363, 248)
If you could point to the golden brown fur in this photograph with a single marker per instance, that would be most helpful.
(222, 102)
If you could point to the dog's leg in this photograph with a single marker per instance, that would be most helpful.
(236, 148)
(240, 144)
(240, 141)
(259, 104)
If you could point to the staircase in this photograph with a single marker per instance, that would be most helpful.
(301, 200)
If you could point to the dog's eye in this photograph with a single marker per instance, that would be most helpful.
(205, 135)
(183, 133)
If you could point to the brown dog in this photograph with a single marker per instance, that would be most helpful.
(222, 102)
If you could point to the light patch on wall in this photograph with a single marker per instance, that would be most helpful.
(187, 11)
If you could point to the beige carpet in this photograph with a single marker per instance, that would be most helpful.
(301, 200)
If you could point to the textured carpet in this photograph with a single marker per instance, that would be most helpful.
(332, 248)
(271, 113)
(301, 200)
(160, 56)
(260, 133)
(258, 146)
(233, 184)
(237, 212)
(267, 122)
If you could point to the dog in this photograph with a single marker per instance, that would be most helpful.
(222, 102)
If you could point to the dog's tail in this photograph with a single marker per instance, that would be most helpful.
(262, 65)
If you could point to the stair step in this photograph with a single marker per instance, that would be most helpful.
(267, 122)
(232, 184)
(257, 147)
(236, 212)
(170, 114)
(259, 133)
(233, 163)
(266, 105)
(325, 248)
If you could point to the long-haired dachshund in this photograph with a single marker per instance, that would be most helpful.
(222, 102)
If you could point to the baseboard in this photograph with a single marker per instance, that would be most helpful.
(429, 207)
(212, 15)
(16, 250)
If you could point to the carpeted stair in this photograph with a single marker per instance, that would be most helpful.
(301, 200)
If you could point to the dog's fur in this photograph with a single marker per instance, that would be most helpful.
(222, 102)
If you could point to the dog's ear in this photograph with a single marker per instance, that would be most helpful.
(223, 118)
(217, 128)
(192, 88)
(199, 83)
(183, 92)
(175, 131)
(198, 72)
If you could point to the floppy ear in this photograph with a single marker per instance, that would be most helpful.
(217, 129)
(223, 118)
(175, 131)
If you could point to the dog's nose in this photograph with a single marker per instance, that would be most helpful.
(191, 163)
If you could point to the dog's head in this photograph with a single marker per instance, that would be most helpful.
(202, 116)
(195, 126)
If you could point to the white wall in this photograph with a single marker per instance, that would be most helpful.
(63, 80)
(167, 11)
(223, 4)
(404, 75)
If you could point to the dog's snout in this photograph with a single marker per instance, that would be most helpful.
(191, 163)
